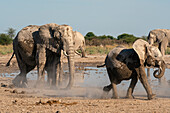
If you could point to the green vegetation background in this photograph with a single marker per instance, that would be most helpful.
(94, 44)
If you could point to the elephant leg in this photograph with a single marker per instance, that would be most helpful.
(59, 72)
(51, 73)
(113, 84)
(51, 80)
(148, 74)
(144, 81)
(53, 76)
(20, 80)
(41, 60)
(131, 87)
(115, 94)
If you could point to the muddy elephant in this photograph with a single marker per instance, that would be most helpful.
(162, 36)
(41, 46)
(125, 64)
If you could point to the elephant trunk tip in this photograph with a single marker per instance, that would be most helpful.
(160, 71)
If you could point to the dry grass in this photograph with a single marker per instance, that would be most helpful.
(101, 50)
(6, 49)
(91, 50)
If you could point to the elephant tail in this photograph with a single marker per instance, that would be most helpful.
(98, 66)
(10, 59)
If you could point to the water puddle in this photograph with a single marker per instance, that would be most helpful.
(93, 77)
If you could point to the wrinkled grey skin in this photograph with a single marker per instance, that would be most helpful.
(162, 36)
(41, 46)
(125, 64)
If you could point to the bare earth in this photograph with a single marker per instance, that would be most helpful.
(77, 100)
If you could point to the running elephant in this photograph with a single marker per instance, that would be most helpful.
(125, 64)
(41, 46)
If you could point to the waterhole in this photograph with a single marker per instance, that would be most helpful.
(97, 78)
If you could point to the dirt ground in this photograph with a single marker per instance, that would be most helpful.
(45, 100)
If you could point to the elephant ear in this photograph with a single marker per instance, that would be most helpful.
(154, 52)
(46, 36)
(140, 48)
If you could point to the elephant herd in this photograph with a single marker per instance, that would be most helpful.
(44, 46)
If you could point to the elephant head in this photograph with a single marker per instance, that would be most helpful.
(56, 37)
(156, 36)
(150, 56)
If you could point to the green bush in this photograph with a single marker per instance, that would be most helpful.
(5, 39)
(127, 38)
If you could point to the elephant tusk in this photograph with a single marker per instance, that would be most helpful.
(77, 53)
(64, 52)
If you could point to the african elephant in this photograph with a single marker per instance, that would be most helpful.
(79, 42)
(125, 64)
(162, 36)
(41, 46)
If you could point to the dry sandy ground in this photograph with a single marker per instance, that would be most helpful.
(77, 100)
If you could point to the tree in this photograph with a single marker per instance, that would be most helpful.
(90, 34)
(5, 39)
(127, 38)
(11, 32)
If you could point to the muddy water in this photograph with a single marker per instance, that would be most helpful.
(97, 78)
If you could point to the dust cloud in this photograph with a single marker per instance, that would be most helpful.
(89, 83)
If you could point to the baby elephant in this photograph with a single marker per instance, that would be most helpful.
(125, 64)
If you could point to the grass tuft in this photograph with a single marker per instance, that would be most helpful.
(6, 49)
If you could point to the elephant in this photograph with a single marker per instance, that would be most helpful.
(41, 46)
(79, 42)
(162, 36)
(125, 64)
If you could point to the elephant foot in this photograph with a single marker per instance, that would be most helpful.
(24, 85)
(20, 81)
(150, 97)
(115, 97)
(107, 88)
(129, 97)
(17, 81)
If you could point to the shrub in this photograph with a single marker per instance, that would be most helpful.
(127, 38)
(5, 39)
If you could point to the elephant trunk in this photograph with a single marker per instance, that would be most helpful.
(70, 58)
(160, 71)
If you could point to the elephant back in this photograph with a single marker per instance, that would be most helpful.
(25, 38)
